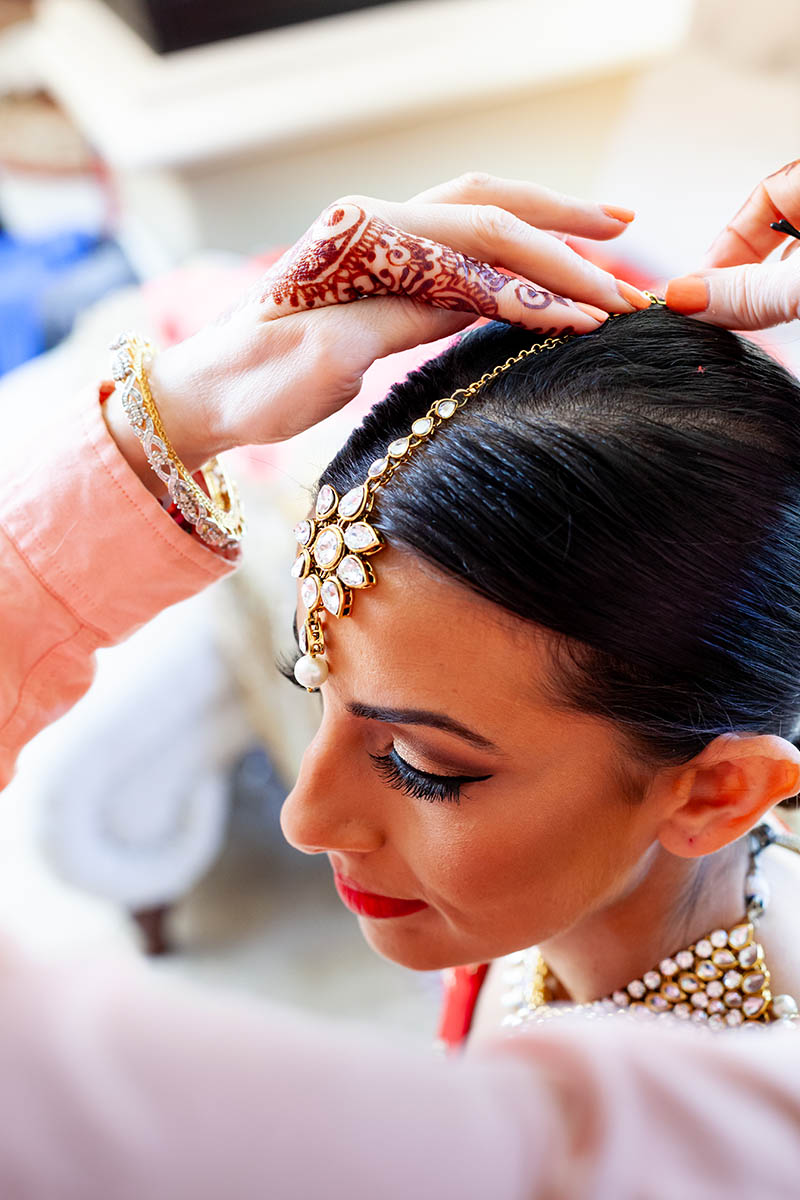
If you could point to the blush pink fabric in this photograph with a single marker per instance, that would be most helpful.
(118, 1085)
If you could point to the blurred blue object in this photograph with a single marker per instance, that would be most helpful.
(257, 795)
(45, 283)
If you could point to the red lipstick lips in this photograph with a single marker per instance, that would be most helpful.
(368, 904)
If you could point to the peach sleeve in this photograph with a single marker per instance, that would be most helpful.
(87, 555)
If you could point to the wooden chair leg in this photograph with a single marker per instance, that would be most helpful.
(153, 924)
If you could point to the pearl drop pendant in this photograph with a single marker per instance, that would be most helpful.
(784, 1007)
(311, 671)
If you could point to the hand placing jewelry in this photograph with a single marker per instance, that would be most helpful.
(736, 287)
(295, 349)
(353, 251)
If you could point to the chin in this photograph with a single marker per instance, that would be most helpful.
(411, 948)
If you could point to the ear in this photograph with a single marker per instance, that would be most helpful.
(724, 791)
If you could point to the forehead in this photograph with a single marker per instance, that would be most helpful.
(419, 639)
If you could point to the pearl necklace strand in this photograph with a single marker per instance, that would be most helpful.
(721, 981)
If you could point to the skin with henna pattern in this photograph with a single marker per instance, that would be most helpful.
(348, 255)
(468, 247)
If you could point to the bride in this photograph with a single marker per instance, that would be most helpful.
(565, 703)
(556, 665)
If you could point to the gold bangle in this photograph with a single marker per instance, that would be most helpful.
(217, 516)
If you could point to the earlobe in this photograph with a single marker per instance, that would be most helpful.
(725, 790)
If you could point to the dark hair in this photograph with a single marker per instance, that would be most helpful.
(636, 491)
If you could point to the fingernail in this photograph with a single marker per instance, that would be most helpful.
(687, 295)
(591, 311)
(632, 295)
(619, 214)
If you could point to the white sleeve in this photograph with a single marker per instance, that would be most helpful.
(663, 1111)
(118, 1085)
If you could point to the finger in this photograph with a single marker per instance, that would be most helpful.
(331, 249)
(356, 335)
(498, 236)
(349, 254)
(790, 249)
(532, 203)
(751, 296)
(747, 237)
(501, 237)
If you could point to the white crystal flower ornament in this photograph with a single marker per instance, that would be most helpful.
(336, 544)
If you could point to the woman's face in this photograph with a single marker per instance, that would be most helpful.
(526, 826)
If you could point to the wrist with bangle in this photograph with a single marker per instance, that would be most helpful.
(205, 501)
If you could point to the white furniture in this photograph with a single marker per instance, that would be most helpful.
(239, 144)
(135, 786)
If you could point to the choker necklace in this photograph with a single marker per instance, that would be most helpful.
(721, 981)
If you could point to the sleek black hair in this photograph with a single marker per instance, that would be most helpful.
(635, 491)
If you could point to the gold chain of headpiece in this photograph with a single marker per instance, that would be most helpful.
(462, 395)
(330, 564)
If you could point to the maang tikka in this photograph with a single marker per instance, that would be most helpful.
(336, 544)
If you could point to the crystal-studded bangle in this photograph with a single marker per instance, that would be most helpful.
(172, 510)
(216, 514)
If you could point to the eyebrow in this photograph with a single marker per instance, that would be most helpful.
(416, 716)
(422, 716)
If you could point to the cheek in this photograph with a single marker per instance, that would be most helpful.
(470, 860)
(556, 849)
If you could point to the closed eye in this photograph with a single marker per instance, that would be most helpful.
(395, 770)
(422, 784)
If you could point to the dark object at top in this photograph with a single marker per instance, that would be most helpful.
(169, 25)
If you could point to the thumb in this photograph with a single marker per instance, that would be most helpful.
(372, 328)
(753, 296)
(338, 345)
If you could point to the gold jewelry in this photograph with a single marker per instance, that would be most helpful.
(335, 545)
(217, 515)
(720, 981)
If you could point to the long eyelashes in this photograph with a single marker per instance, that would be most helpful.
(395, 770)
(401, 775)
(436, 788)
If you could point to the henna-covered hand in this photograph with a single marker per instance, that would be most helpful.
(349, 255)
(294, 349)
(447, 255)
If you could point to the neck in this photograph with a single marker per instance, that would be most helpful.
(672, 902)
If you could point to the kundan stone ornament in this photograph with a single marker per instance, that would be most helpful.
(335, 545)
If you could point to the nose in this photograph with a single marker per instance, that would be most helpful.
(328, 809)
